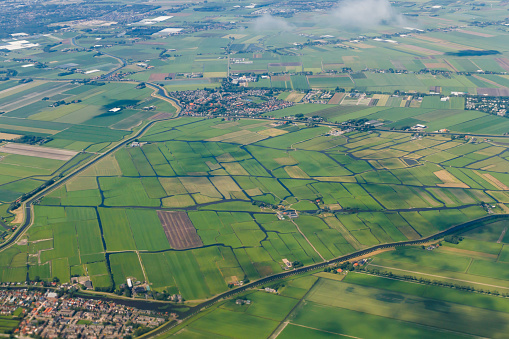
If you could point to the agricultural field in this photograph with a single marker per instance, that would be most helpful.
(70, 133)
(478, 260)
(230, 142)
(323, 305)
(194, 209)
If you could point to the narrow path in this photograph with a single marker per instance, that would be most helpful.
(142, 267)
(502, 236)
(441, 277)
(320, 330)
(282, 325)
(309, 242)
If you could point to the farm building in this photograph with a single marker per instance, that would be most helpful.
(374, 123)
(287, 263)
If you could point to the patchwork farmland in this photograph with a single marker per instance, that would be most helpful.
(172, 161)
(199, 195)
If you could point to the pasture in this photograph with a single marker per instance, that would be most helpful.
(183, 191)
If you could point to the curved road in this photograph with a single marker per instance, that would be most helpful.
(122, 61)
(28, 204)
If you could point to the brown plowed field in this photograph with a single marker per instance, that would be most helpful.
(38, 151)
(158, 76)
(179, 230)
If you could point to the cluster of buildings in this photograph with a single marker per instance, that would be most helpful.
(492, 105)
(317, 97)
(221, 102)
(282, 215)
(48, 315)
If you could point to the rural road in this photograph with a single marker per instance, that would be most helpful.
(122, 61)
(166, 327)
(28, 204)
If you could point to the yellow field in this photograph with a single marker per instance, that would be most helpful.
(108, 166)
(28, 129)
(241, 137)
(331, 276)
(272, 132)
(235, 36)
(226, 157)
(248, 138)
(200, 185)
(286, 161)
(295, 97)
(215, 74)
(213, 166)
(8, 136)
(172, 186)
(382, 99)
(234, 168)
(20, 88)
(81, 184)
(449, 180)
(183, 200)
(204, 199)
(253, 40)
(254, 192)
(467, 252)
(225, 185)
(494, 181)
(55, 113)
(296, 172)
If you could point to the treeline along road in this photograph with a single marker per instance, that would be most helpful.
(451, 230)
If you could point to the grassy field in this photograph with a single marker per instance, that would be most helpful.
(399, 188)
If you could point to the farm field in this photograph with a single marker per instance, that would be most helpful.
(325, 305)
(70, 133)
(479, 260)
(191, 197)
(180, 156)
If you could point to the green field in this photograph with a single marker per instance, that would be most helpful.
(351, 192)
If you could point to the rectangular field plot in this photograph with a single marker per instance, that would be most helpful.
(38, 151)
(395, 307)
(179, 230)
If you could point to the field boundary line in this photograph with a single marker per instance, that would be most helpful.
(439, 276)
(320, 330)
(309, 242)
(142, 267)
(282, 325)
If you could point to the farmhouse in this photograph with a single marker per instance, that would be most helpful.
(287, 214)
(374, 123)
(418, 127)
(243, 302)
(287, 263)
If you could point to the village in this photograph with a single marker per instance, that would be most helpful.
(216, 102)
(48, 314)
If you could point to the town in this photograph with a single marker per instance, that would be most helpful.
(48, 314)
